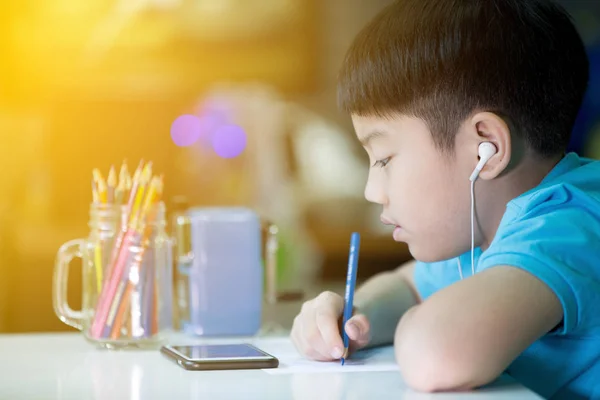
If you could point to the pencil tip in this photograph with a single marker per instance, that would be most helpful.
(343, 361)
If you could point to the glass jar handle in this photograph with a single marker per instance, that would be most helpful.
(271, 266)
(271, 249)
(183, 243)
(65, 255)
(183, 262)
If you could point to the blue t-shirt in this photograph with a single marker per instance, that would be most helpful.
(553, 232)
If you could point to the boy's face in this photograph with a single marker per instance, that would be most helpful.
(423, 192)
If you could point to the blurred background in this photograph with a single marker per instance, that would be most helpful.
(88, 84)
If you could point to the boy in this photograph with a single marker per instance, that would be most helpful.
(426, 83)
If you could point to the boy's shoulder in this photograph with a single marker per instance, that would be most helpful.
(560, 215)
(574, 183)
(563, 211)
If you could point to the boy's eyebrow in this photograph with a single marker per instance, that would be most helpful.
(370, 136)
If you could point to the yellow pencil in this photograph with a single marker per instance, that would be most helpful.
(112, 184)
(100, 198)
(133, 188)
(128, 182)
(101, 185)
(150, 196)
(122, 187)
(95, 197)
(144, 181)
(124, 172)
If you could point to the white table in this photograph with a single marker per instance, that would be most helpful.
(65, 366)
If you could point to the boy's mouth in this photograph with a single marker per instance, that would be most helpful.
(397, 228)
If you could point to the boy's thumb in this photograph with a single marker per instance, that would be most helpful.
(358, 328)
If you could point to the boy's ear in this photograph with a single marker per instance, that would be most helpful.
(489, 127)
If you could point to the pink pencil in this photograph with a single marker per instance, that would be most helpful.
(109, 289)
(136, 182)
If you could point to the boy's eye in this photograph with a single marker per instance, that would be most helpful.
(382, 163)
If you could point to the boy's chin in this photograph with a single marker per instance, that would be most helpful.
(427, 254)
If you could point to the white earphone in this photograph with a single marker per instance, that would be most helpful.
(486, 150)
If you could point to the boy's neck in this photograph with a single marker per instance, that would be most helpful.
(525, 176)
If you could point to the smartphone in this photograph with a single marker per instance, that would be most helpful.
(220, 357)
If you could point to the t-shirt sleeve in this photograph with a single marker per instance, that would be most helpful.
(562, 249)
(431, 277)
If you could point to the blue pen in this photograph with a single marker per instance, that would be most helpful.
(350, 285)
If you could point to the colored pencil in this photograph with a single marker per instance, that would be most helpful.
(350, 286)
(129, 284)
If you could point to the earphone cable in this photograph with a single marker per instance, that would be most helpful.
(472, 227)
(472, 235)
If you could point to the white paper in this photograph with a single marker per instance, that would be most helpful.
(290, 362)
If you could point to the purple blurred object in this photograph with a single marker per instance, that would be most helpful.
(229, 141)
(186, 130)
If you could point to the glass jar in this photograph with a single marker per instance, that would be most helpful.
(127, 279)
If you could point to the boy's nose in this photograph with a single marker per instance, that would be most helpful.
(374, 192)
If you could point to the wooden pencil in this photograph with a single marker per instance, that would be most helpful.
(112, 185)
(118, 324)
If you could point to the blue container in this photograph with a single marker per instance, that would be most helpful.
(225, 274)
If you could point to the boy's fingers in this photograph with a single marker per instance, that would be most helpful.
(328, 308)
(327, 322)
(306, 340)
(314, 342)
(313, 352)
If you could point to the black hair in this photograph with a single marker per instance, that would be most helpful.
(441, 60)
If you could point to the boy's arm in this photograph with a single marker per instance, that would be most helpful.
(467, 334)
(384, 298)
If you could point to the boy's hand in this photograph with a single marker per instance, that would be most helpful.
(316, 330)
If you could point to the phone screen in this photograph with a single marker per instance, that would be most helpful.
(220, 352)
